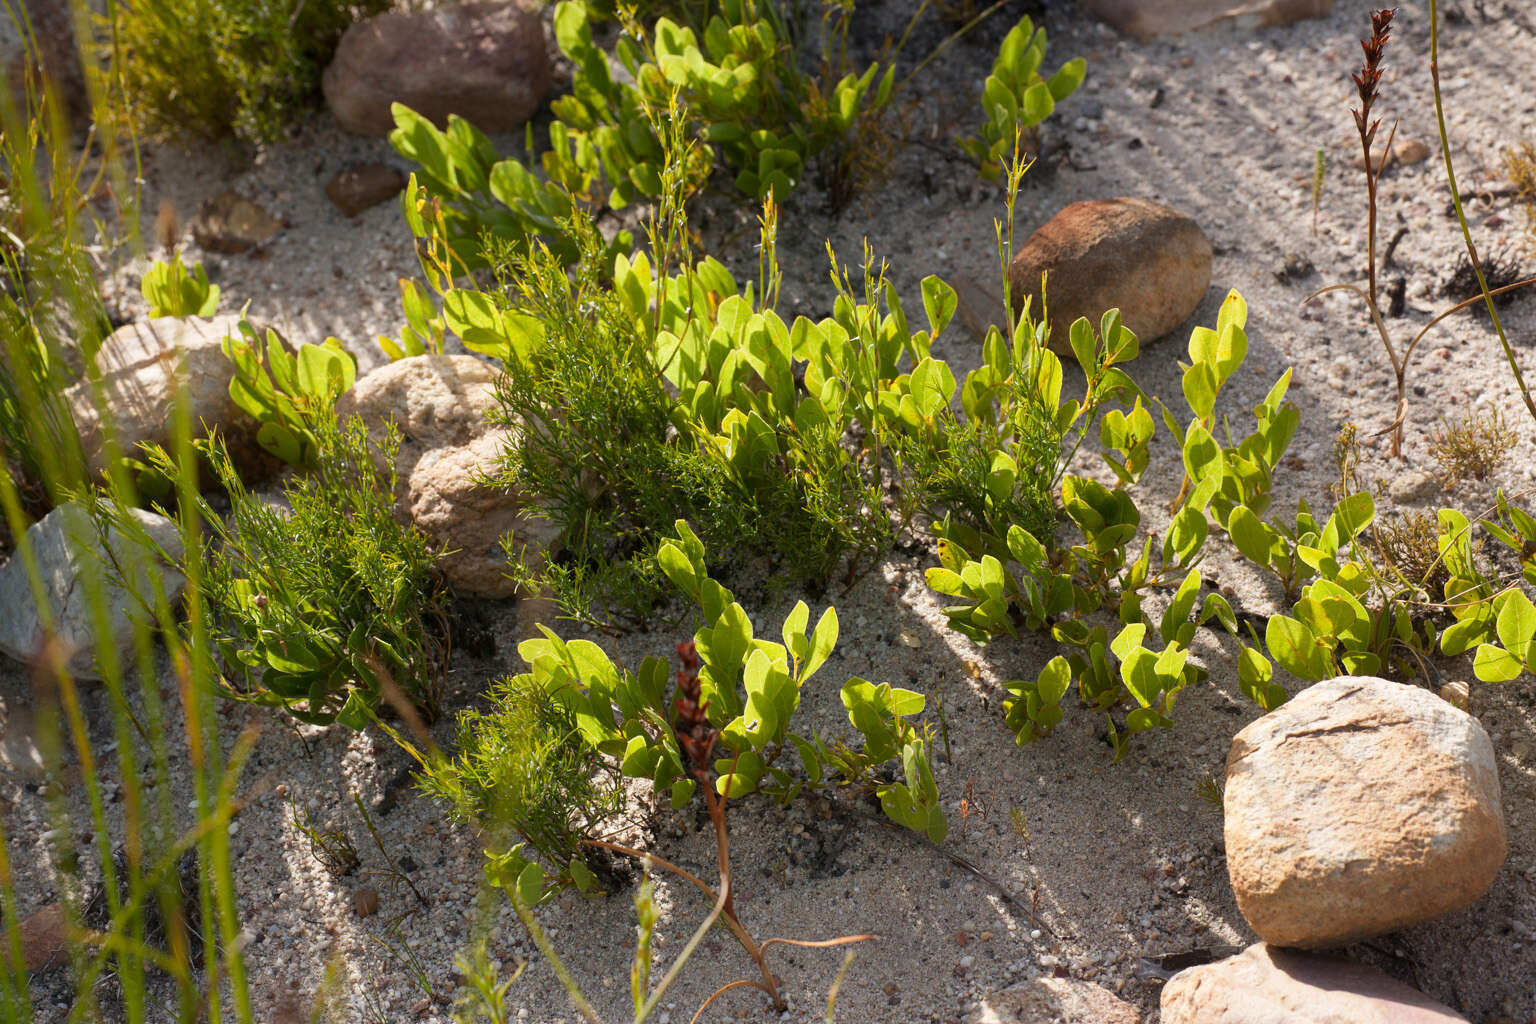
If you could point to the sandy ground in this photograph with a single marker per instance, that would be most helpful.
(1114, 861)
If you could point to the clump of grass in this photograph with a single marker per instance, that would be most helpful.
(215, 69)
(1211, 791)
(1472, 447)
(1409, 545)
(331, 848)
(1502, 267)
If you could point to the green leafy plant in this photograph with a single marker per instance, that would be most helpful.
(215, 69)
(328, 612)
(1016, 96)
(1138, 662)
(575, 716)
(636, 389)
(722, 734)
(731, 91)
(289, 394)
(143, 879)
(667, 392)
(173, 289)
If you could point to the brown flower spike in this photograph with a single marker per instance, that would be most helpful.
(695, 735)
(1369, 77)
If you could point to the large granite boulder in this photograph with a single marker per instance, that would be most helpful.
(1150, 262)
(69, 549)
(1264, 985)
(1360, 807)
(485, 62)
(440, 403)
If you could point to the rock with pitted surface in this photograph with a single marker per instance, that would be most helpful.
(1059, 1000)
(69, 549)
(1360, 807)
(1150, 262)
(229, 222)
(485, 62)
(1264, 985)
(1148, 19)
(439, 404)
(141, 366)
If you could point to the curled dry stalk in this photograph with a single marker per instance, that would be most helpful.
(1367, 82)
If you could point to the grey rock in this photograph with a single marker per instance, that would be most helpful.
(69, 551)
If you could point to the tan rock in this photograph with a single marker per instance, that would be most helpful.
(1404, 153)
(1263, 985)
(44, 938)
(437, 401)
(229, 222)
(448, 501)
(1147, 19)
(1059, 1000)
(485, 62)
(1149, 261)
(359, 187)
(365, 902)
(1360, 807)
(440, 404)
(141, 366)
(1411, 151)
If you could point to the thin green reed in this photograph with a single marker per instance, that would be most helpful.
(45, 257)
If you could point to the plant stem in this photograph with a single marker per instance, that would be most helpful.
(556, 964)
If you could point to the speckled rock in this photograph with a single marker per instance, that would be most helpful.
(141, 365)
(68, 549)
(1149, 261)
(1148, 19)
(485, 62)
(1060, 1000)
(1360, 807)
(1263, 985)
(440, 404)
